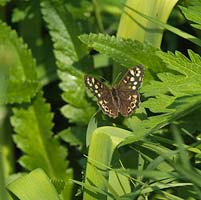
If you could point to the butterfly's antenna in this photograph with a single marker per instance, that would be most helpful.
(101, 78)
(117, 77)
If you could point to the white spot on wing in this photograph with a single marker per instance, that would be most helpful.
(132, 79)
(129, 109)
(134, 87)
(132, 72)
(89, 82)
(106, 109)
(132, 104)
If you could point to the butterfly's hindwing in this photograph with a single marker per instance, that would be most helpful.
(105, 101)
(108, 105)
(131, 103)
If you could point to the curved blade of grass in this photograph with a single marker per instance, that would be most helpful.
(135, 26)
(103, 143)
(172, 29)
(3, 194)
(35, 185)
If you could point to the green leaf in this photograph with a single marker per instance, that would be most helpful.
(74, 135)
(19, 15)
(179, 108)
(74, 89)
(4, 2)
(78, 110)
(192, 13)
(67, 47)
(191, 123)
(159, 104)
(125, 51)
(59, 184)
(18, 68)
(33, 124)
(69, 52)
(188, 83)
(175, 91)
(35, 185)
(79, 115)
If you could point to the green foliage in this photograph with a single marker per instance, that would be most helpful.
(175, 89)
(2, 181)
(69, 59)
(3, 2)
(98, 160)
(186, 82)
(24, 11)
(176, 94)
(17, 68)
(78, 108)
(33, 125)
(153, 154)
(73, 135)
(58, 184)
(37, 184)
(29, 120)
(192, 13)
(66, 32)
(133, 52)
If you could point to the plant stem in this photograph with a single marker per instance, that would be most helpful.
(98, 16)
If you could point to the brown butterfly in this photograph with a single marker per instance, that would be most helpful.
(124, 98)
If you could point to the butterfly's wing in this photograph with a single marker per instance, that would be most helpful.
(105, 101)
(129, 96)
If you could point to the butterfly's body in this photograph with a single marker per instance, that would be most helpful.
(124, 98)
(115, 97)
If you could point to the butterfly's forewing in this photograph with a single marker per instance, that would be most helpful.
(105, 101)
(128, 90)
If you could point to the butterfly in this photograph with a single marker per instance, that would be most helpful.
(124, 98)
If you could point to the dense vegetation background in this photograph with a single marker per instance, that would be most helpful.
(53, 142)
